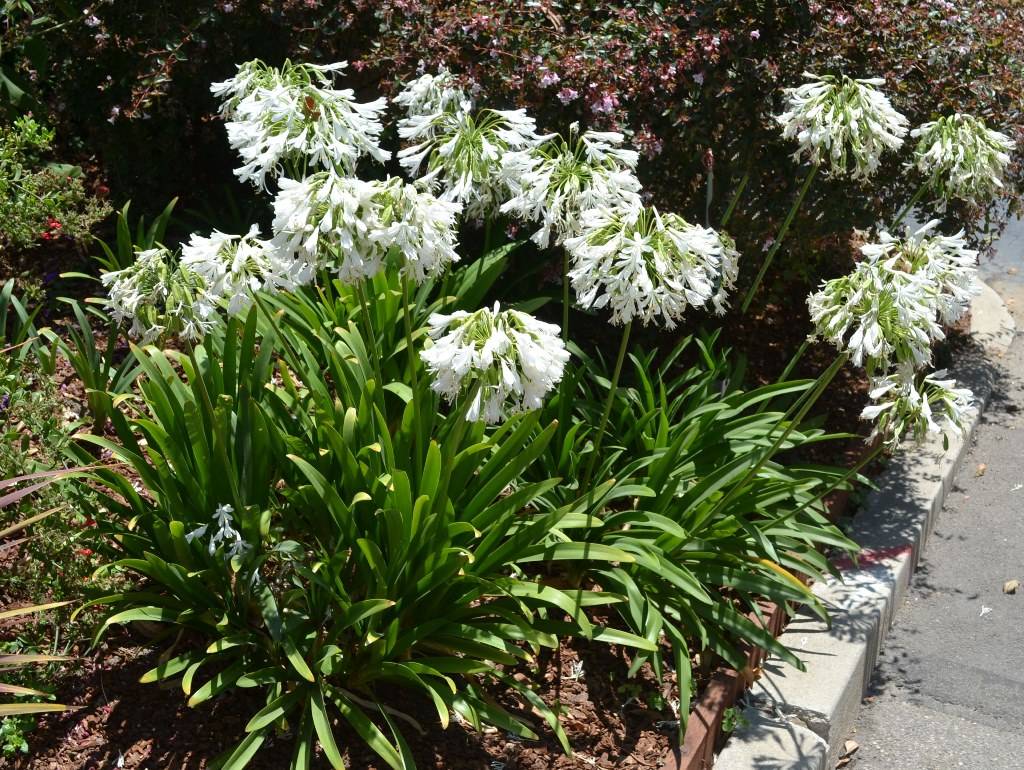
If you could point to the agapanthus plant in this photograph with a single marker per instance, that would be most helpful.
(554, 182)
(962, 158)
(504, 361)
(292, 118)
(234, 267)
(224, 534)
(429, 95)
(343, 223)
(458, 155)
(646, 266)
(918, 405)
(944, 261)
(843, 123)
(879, 313)
(159, 297)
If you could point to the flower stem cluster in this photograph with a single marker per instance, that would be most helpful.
(225, 534)
(888, 312)
(915, 404)
(459, 155)
(159, 297)
(350, 225)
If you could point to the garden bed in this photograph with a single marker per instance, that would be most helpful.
(612, 721)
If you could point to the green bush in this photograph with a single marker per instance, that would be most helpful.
(40, 201)
(341, 566)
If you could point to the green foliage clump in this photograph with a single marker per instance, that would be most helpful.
(40, 201)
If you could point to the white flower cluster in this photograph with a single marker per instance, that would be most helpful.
(948, 267)
(642, 264)
(430, 95)
(159, 297)
(233, 267)
(352, 225)
(292, 117)
(554, 182)
(505, 360)
(460, 154)
(905, 403)
(879, 313)
(962, 158)
(896, 297)
(892, 306)
(845, 122)
(225, 533)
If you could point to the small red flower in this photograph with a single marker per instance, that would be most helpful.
(84, 551)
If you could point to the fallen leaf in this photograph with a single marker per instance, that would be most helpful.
(980, 470)
(1011, 586)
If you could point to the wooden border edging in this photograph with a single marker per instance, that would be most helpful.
(705, 723)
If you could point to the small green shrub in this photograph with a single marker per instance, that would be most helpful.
(40, 201)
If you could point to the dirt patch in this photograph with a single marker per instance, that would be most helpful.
(611, 721)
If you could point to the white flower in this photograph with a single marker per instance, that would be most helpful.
(506, 360)
(460, 154)
(159, 297)
(555, 182)
(844, 122)
(945, 262)
(888, 313)
(921, 406)
(225, 533)
(326, 221)
(431, 95)
(293, 118)
(234, 267)
(962, 158)
(642, 265)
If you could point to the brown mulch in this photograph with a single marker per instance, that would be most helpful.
(122, 724)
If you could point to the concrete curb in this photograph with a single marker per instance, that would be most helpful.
(800, 719)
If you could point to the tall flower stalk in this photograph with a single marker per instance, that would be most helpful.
(642, 264)
(842, 124)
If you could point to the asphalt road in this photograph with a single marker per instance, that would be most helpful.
(949, 688)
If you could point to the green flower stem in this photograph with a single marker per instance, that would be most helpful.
(623, 346)
(841, 481)
(801, 406)
(795, 360)
(565, 295)
(414, 377)
(910, 205)
(780, 237)
(452, 440)
(735, 198)
(371, 336)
